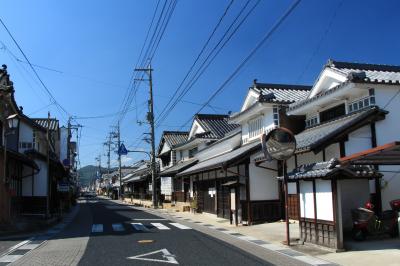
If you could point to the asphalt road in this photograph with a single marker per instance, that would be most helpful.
(165, 241)
(105, 232)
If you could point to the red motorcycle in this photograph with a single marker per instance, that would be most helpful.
(366, 222)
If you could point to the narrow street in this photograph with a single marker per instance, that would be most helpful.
(105, 232)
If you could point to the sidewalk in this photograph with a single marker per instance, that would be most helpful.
(372, 252)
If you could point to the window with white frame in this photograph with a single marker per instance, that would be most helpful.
(362, 103)
(255, 127)
(312, 121)
(275, 112)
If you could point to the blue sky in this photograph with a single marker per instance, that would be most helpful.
(92, 47)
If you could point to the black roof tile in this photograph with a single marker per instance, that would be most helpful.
(215, 126)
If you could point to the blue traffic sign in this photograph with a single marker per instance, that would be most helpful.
(122, 150)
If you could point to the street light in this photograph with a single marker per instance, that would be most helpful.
(12, 122)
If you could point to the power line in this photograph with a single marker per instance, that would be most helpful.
(198, 56)
(53, 99)
(203, 67)
(307, 65)
(251, 54)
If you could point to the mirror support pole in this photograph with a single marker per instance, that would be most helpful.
(285, 182)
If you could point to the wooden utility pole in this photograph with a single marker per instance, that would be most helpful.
(150, 119)
(48, 166)
(119, 161)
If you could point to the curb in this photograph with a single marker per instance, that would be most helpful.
(19, 250)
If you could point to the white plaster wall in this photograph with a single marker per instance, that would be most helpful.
(359, 140)
(309, 157)
(263, 182)
(332, 151)
(40, 179)
(25, 134)
(306, 199)
(390, 188)
(388, 130)
(292, 188)
(27, 182)
(267, 121)
(219, 148)
(324, 200)
(354, 193)
(63, 143)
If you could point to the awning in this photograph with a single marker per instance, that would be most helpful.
(315, 138)
(223, 160)
(179, 167)
(387, 154)
(22, 158)
(331, 169)
(232, 183)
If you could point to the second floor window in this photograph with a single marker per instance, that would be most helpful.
(312, 121)
(255, 127)
(332, 113)
(192, 152)
(363, 102)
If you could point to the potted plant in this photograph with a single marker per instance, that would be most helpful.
(193, 205)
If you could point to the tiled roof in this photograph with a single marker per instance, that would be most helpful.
(54, 124)
(180, 166)
(328, 169)
(281, 93)
(223, 160)
(369, 73)
(172, 138)
(175, 137)
(215, 126)
(325, 133)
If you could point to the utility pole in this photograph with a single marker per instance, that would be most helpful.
(119, 161)
(150, 119)
(48, 166)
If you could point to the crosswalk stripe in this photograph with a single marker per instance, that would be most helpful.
(97, 228)
(139, 227)
(160, 226)
(10, 258)
(118, 227)
(180, 226)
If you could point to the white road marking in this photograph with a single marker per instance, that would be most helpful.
(139, 227)
(30, 246)
(97, 228)
(10, 258)
(154, 219)
(160, 226)
(180, 226)
(169, 258)
(118, 227)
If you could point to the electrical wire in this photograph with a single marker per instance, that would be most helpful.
(251, 54)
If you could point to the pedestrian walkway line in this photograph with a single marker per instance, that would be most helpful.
(139, 227)
(97, 228)
(118, 227)
(160, 226)
(180, 226)
(10, 258)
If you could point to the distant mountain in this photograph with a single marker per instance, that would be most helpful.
(88, 173)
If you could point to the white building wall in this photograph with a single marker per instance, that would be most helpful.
(306, 199)
(388, 130)
(27, 182)
(324, 200)
(359, 140)
(25, 134)
(63, 143)
(40, 179)
(263, 182)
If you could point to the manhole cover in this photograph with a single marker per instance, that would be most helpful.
(145, 241)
